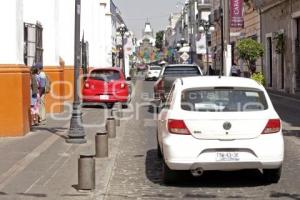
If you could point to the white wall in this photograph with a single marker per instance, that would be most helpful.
(57, 20)
(108, 37)
(11, 20)
(46, 12)
(66, 31)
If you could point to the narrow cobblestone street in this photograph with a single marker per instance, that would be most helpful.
(137, 170)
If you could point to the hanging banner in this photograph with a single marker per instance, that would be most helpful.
(236, 14)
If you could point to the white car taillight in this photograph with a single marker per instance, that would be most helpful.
(178, 127)
(273, 126)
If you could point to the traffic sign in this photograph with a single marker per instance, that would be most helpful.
(185, 56)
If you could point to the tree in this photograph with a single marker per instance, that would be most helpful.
(250, 50)
(159, 40)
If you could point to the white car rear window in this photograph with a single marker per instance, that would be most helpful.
(223, 100)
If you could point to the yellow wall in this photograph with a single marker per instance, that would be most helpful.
(15, 100)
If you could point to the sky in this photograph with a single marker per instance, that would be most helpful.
(136, 12)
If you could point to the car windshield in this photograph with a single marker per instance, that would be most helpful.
(155, 68)
(223, 100)
(181, 71)
(105, 75)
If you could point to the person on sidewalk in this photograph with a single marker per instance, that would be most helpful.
(43, 85)
(235, 71)
(34, 91)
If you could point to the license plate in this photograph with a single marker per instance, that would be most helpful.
(104, 97)
(228, 156)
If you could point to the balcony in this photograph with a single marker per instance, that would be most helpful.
(204, 4)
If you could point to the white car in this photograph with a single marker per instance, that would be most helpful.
(152, 72)
(219, 123)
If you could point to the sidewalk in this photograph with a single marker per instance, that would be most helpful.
(42, 165)
(283, 94)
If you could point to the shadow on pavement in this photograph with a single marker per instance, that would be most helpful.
(295, 133)
(97, 105)
(54, 130)
(37, 195)
(281, 195)
(212, 179)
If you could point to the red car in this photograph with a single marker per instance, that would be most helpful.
(105, 85)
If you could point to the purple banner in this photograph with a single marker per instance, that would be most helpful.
(236, 13)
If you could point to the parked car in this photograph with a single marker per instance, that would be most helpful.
(169, 74)
(219, 123)
(141, 67)
(105, 85)
(152, 72)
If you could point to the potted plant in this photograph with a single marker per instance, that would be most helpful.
(280, 42)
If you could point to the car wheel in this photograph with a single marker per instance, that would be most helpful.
(168, 175)
(124, 105)
(272, 175)
(109, 105)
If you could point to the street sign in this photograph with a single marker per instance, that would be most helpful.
(185, 56)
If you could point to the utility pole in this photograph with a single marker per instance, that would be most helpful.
(222, 36)
(190, 29)
(76, 133)
(227, 44)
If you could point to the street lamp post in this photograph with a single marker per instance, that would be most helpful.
(206, 25)
(122, 30)
(76, 132)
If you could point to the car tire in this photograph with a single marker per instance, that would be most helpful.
(109, 105)
(272, 175)
(168, 175)
(159, 153)
(125, 105)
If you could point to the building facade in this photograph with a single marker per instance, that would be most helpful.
(281, 40)
(146, 45)
(43, 31)
(250, 29)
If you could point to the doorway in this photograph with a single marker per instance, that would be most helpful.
(297, 50)
(270, 61)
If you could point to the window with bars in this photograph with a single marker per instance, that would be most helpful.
(33, 43)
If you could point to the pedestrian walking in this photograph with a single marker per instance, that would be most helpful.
(34, 91)
(43, 81)
(235, 71)
(211, 72)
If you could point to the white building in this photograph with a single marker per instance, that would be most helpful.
(43, 31)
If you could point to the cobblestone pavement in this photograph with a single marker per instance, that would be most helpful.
(137, 170)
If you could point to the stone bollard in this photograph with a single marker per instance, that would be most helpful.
(119, 112)
(101, 144)
(114, 114)
(111, 127)
(86, 172)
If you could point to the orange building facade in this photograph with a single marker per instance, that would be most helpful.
(42, 31)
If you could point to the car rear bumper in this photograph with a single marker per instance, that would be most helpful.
(148, 76)
(187, 153)
(109, 98)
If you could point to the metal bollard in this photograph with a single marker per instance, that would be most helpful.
(86, 172)
(111, 127)
(101, 144)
